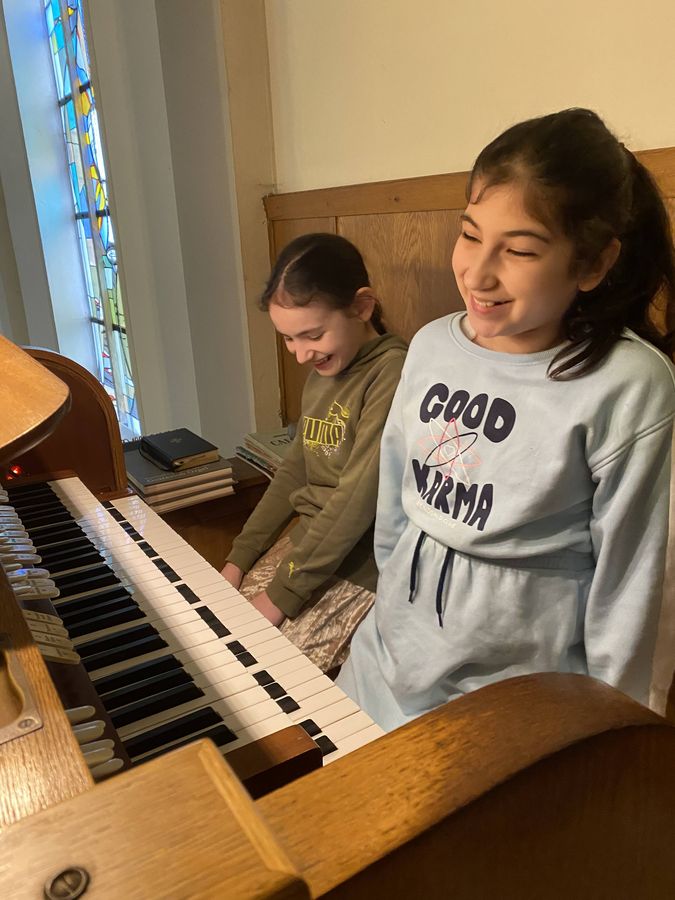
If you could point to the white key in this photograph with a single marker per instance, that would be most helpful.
(98, 756)
(88, 731)
(106, 769)
(78, 714)
(353, 742)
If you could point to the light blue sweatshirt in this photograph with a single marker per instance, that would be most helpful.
(521, 523)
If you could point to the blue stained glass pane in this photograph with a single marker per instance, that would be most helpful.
(88, 155)
(90, 197)
(70, 112)
(58, 33)
(109, 277)
(103, 229)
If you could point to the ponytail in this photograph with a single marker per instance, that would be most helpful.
(377, 319)
(638, 292)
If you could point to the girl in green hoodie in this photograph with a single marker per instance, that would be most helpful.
(317, 581)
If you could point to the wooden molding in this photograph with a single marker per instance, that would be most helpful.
(420, 194)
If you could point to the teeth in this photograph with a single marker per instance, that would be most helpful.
(488, 303)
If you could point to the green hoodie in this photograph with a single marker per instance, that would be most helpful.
(329, 479)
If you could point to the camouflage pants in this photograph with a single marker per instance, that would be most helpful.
(324, 627)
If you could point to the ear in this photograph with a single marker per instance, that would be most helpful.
(592, 276)
(363, 303)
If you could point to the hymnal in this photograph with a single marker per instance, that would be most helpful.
(177, 449)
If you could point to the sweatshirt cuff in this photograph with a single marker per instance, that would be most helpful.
(288, 602)
(242, 557)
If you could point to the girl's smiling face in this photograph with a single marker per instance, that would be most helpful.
(326, 338)
(517, 277)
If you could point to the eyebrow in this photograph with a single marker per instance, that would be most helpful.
(522, 232)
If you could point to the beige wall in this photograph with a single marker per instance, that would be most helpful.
(367, 90)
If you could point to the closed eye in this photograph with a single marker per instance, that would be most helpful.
(470, 237)
(521, 252)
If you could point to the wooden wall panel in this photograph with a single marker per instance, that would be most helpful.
(408, 256)
(291, 375)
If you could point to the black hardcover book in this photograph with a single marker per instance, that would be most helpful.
(149, 478)
(177, 449)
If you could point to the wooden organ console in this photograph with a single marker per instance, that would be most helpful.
(545, 786)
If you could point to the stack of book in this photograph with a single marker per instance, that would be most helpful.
(265, 450)
(175, 469)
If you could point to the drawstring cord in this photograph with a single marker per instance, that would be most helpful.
(441, 581)
(441, 584)
(413, 567)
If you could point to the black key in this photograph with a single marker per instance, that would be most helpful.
(108, 620)
(54, 556)
(150, 706)
(325, 745)
(61, 537)
(186, 592)
(131, 531)
(135, 673)
(146, 688)
(213, 622)
(20, 492)
(93, 601)
(41, 520)
(89, 580)
(288, 704)
(236, 647)
(247, 659)
(99, 645)
(166, 570)
(96, 611)
(80, 561)
(147, 549)
(220, 735)
(263, 677)
(128, 651)
(39, 507)
(39, 501)
(38, 498)
(94, 614)
(275, 690)
(310, 727)
(116, 514)
(163, 734)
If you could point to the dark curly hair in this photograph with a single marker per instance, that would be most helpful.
(580, 179)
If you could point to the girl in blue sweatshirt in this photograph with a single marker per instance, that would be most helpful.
(525, 465)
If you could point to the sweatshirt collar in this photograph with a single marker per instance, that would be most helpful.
(372, 349)
(456, 326)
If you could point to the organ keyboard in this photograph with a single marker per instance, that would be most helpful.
(174, 652)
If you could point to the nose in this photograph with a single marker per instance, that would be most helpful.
(303, 354)
(481, 273)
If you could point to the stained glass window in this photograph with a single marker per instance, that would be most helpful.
(65, 26)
